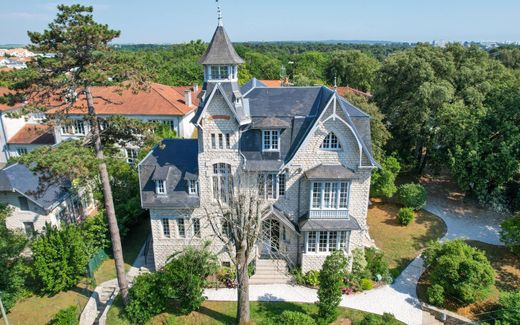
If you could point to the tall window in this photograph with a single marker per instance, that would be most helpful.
(220, 141)
(329, 195)
(21, 151)
(24, 203)
(79, 127)
(166, 227)
(131, 155)
(196, 227)
(327, 241)
(270, 140)
(192, 187)
(160, 187)
(219, 72)
(222, 184)
(330, 142)
(271, 185)
(181, 228)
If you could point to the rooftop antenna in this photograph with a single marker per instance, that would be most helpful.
(219, 14)
(335, 84)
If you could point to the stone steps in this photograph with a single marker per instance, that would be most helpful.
(271, 271)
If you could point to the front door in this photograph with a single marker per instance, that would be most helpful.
(270, 238)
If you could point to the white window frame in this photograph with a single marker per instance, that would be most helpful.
(267, 140)
(131, 155)
(342, 241)
(275, 181)
(221, 182)
(192, 187)
(331, 142)
(20, 151)
(337, 195)
(166, 229)
(160, 187)
(196, 228)
(220, 141)
(181, 224)
(79, 127)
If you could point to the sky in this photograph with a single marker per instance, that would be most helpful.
(178, 21)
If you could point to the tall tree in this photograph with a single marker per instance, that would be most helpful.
(353, 68)
(81, 58)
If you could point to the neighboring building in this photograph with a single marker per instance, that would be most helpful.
(307, 148)
(18, 53)
(36, 201)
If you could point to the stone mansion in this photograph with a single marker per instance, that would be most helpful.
(308, 148)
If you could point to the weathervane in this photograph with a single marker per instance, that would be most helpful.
(219, 14)
(335, 84)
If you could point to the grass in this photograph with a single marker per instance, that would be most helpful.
(39, 310)
(132, 244)
(507, 268)
(401, 244)
(224, 312)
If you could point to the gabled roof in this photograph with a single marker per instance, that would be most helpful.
(220, 50)
(33, 134)
(21, 179)
(174, 161)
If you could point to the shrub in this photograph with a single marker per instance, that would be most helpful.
(146, 298)
(435, 295)
(298, 276)
(359, 262)
(366, 284)
(509, 311)
(295, 318)
(510, 233)
(405, 216)
(375, 262)
(412, 195)
(186, 277)
(383, 180)
(67, 316)
(312, 278)
(461, 270)
(60, 258)
(373, 319)
(95, 233)
(331, 282)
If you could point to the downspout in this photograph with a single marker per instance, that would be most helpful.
(4, 149)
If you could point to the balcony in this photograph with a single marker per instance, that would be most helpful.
(328, 214)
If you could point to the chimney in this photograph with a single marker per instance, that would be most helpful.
(187, 97)
(195, 88)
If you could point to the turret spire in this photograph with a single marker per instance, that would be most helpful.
(219, 14)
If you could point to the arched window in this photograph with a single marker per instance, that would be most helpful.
(222, 182)
(330, 142)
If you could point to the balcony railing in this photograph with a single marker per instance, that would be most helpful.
(328, 214)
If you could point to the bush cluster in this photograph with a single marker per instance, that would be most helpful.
(463, 272)
(510, 233)
(509, 307)
(368, 266)
(67, 316)
(311, 278)
(181, 281)
(331, 277)
(412, 195)
(405, 216)
(373, 319)
(291, 318)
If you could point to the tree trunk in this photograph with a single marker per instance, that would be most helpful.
(109, 202)
(243, 316)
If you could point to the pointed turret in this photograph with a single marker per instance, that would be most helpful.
(220, 50)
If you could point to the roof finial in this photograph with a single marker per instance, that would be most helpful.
(335, 84)
(219, 14)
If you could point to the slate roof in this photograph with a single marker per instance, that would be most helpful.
(332, 172)
(33, 134)
(174, 161)
(220, 50)
(20, 178)
(307, 224)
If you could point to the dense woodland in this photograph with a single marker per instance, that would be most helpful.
(435, 109)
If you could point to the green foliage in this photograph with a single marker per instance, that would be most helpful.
(294, 318)
(435, 295)
(373, 319)
(405, 216)
(310, 64)
(186, 275)
(354, 68)
(14, 271)
(375, 262)
(382, 183)
(412, 195)
(510, 233)
(359, 263)
(509, 310)
(95, 233)
(147, 298)
(66, 316)
(509, 56)
(331, 282)
(312, 278)
(462, 271)
(366, 284)
(60, 258)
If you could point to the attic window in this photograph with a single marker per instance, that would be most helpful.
(270, 140)
(330, 142)
(160, 187)
(192, 187)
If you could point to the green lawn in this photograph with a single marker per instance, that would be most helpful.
(132, 244)
(401, 244)
(224, 312)
(39, 310)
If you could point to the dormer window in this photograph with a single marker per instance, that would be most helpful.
(270, 140)
(160, 187)
(330, 142)
(192, 187)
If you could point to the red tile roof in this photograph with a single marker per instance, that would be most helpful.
(344, 90)
(271, 83)
(33, 134)
(158, 100)
(4, 107)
